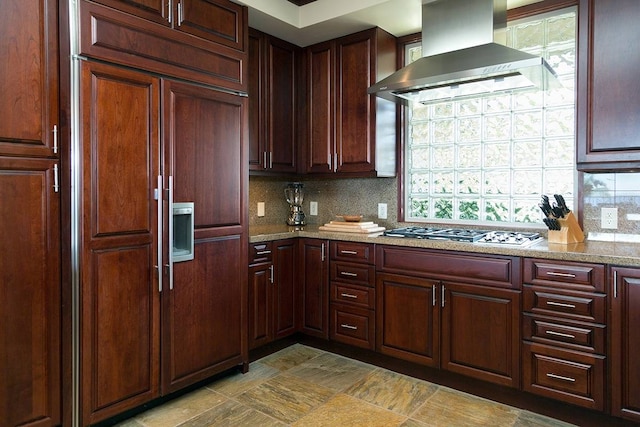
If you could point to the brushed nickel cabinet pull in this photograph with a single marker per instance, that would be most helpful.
(560, 377)
(553, 273)
(442, 291)
(560, 304)
(271, 270)
(263, 252)
(433, 295)
(615, 284)
(560, 334)
(349, 296)
(264, 160)
(55, 139)
(349, 252)
(344, 325)
(56, 184)
(349, 274)
(322, 249)
(180, 13)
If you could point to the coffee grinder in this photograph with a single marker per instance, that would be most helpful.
(295, 195)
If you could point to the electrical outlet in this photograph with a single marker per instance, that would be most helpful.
(313, 208)
(382, 211)
(609, 218)
(260, 208)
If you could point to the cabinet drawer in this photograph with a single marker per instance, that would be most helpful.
(566, 375)
(587, 337)
(353, 273)
(351, 325)
(353, 252)
(575, 305)
(576, 276)
(353, 294)
(260, 252)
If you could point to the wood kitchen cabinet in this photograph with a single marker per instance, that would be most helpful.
(205, 40)
(564, 326)
(31, 330)
(273, 104)
(349, 132)
(608, 105)
(273, 291)
(625, 342)
(454, 311)
(314, 280)
(132, 350)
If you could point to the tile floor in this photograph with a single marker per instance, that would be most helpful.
(304, 386)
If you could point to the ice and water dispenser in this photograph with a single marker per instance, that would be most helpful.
(182, 232)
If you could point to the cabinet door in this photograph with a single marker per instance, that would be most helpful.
(256, 90)
(608, 122)
(407, 318)
(30, 379)
(260, 307)
(29, 77)
(355, 109)
(481, 332)
(625, 343)
(285, 295)
(220, 21)
(320, 147)
(314, 277)
(154, 10)
(204, 312)
(120, 298)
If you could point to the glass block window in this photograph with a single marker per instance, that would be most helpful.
(488, 159)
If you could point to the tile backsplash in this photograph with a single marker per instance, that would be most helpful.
(362, 195)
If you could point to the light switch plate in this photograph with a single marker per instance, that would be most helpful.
(260, 208)
(313, 208)
(382, 211)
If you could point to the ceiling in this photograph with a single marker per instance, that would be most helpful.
(305, 22)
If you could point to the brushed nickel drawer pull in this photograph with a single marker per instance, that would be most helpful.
(349, 296)
(560, 334)
(553, 273)
(346, 273)
(560, 377)
(344, 325)
(263, 252)
(560, 304)
(349, 252)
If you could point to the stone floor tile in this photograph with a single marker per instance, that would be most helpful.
(530, 419)
(232, 414)
(286, 397)
(181, 409)
(237, 383)
(343, 410)
(332, 371)
(393, 391)
(291, 356)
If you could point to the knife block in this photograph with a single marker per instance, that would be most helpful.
(570, 231)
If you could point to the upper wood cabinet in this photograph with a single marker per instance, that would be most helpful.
(198, 40)
(273, 103)
(608, 106)
(348, 131)
(29, 78)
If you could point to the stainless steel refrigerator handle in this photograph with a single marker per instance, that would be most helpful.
(170, 233)
(159, 233)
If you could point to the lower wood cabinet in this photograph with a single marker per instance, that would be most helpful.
(273, 291)
(313, 261)
(624, 351)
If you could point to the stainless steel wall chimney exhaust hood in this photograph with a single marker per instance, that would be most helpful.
(460, 58)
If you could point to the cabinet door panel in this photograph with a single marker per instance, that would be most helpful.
(255, 89)
(30, 301)
(220, 21)
(260, 311)
(407, 323)
(314, 276)
(153, 10)
(285, 296)
(625, 343)
(481, 333)
(28, 77)
(120, 300)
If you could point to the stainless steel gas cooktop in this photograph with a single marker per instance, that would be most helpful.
(510, 238)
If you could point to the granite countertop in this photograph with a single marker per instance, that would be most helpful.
(625, 254)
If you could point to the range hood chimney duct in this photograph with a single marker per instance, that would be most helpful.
(460, 58)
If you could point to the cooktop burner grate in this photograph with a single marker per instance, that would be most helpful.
(512, 238)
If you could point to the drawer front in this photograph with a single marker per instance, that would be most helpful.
(353, 326)
(587, 337)
(577, 276)
(358, 274)
(260, 252)
(361, 296)
(503, 272)
(353, 252)
(575, 305)
(565, 375)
